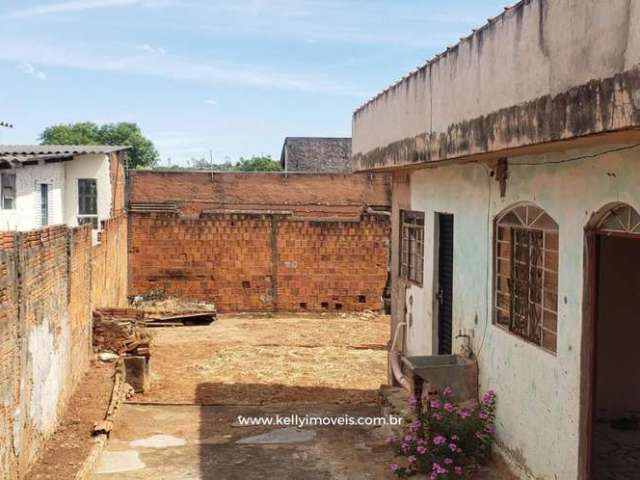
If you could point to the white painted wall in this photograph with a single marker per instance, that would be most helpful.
(87, 166)
(538, 393)
(26, 215)
(63, 192)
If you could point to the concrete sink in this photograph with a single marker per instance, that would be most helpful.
(439, 371)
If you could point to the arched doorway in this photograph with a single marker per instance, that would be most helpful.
(611, 333)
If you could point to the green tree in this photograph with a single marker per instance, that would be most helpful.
(141, 154)
(258, 164)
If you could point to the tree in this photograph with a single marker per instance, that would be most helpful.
(258, 164)
(141, 154)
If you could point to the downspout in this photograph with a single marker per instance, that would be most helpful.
(394, 358)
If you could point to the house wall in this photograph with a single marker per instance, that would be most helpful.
(539, 393)
(88, 166)
(261, 262)
(27, 214)
(542, 71)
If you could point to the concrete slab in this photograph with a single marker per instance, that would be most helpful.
(119, 462)
(280, 436)
(158, 441)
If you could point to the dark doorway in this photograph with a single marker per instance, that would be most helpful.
(444, 290)
(616, 380)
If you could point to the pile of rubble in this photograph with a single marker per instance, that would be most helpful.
(121, 331)
(162, 310)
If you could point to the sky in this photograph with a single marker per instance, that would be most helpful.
(234, 77)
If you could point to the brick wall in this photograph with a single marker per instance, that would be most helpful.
(261, 262)
(109, 265)
(46, 279)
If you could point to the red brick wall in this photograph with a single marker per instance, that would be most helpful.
(46, 279)
(306, 194)
(261, 262)
(109, 265)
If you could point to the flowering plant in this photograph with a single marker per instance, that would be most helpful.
(446, 441)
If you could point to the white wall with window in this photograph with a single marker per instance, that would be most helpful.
(88, 190)
(25, 212)
(66, 192)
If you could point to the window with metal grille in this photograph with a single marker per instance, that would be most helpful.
(411, 245)
(8, 191)
(526, 275)
(88, 202)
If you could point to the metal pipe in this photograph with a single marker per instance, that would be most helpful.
(394, 358)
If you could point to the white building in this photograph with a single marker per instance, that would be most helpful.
(516, 232)
(59, 184)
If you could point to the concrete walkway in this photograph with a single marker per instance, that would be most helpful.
(206, 443)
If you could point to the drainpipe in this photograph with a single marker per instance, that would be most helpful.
(394, 357)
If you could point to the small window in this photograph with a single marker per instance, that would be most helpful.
(526, 275)
(8, 191)
(88, 202)
(411, 245)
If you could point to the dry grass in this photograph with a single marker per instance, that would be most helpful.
(266, 360)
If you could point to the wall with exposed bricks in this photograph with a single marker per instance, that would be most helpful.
(109, 264)
(46, 281)
(261, 241)
(261, 262)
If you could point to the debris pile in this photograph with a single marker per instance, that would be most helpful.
(121, 331)
(162, 310)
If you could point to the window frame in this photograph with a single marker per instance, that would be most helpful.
(88, 218)
(3, 187)
(411, 258)
(533, 246)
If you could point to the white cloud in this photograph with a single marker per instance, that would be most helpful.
(81, 5)
(175, 68)
(154, 50)
(29, 69)
(210, 101)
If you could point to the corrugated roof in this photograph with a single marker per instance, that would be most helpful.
(24, 153)
(58, 149)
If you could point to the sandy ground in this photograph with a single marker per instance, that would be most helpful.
(70, 445)
(260, 359)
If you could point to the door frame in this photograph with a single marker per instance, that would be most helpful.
(589, 345)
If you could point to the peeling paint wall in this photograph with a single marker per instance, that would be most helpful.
(543, 71)
(45, 318)
(538, 393)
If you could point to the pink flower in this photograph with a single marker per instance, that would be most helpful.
(447, 392)
(435, 404)
(421, 450)
(448, 461)
(394, 467)
(411, 459)
(448, 407)
(438, 469)
(483, 416)
(464, 413)
(454, 437)
(437, 416)
(458, 470)
(489, 397)
(453, 447)
(439, 440)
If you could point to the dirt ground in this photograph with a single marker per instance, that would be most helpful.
(187, 426)
(71, 444)
(271, 359)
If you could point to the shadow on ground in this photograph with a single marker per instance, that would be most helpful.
(286, 452)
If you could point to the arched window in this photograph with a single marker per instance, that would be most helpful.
(620, 219)
(526, 275)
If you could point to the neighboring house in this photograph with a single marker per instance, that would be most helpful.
(316, 155)
(516, 233)
(59, 184)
